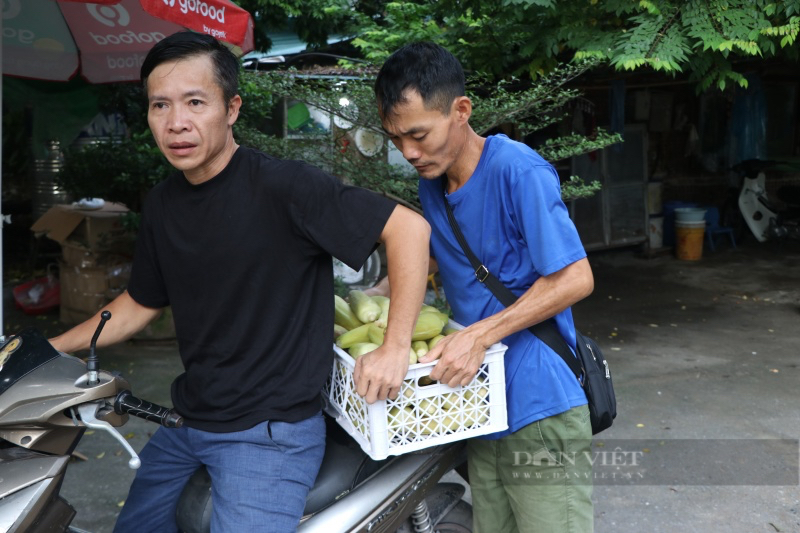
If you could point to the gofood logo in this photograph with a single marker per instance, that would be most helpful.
(200, 7)
(109, 15)
(11, 9)
(113, 16)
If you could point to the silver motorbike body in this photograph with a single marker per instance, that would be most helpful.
(46, 404)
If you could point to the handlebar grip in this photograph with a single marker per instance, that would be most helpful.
(126, 402)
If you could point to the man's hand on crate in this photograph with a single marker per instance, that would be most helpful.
(460, 354)
(379, 374)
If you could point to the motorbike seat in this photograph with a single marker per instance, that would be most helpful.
(344, 466)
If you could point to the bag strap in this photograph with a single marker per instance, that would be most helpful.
(546, 331)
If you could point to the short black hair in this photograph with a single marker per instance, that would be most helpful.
(424, 67)
(187, 44)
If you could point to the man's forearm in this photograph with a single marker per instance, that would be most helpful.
(127, 318)
(407, 255)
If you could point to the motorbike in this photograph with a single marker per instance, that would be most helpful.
(758, 212)
(48, 399)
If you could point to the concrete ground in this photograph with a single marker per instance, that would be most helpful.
(703, 356)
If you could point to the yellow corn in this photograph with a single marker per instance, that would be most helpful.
(428, 326)
(361, 348)
(383, 302)
(365, 309)
(479, 394)
(338, 330)
(427, 406)
(434, 341)
(451, 401)
(375, 334)
(343, 315)
(354, 336)
(420, 348)
(400, 417)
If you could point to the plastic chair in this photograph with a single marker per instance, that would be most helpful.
(713, 229)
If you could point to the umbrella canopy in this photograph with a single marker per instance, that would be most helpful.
(104, 40)
(107, 40)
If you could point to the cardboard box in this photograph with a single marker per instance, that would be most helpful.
(85, 290)
(97, 230)
(78, 255)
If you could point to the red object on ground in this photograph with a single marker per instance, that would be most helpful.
(38, 296)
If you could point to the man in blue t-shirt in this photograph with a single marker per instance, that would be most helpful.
(536, 476)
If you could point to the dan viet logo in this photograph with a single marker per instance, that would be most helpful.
(198, 6)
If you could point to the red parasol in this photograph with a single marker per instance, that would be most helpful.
(106, 40)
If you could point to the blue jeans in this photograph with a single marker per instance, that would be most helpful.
(260, 476)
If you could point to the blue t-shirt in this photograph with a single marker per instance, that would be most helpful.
(512, 216)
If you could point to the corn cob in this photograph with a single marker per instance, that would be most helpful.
(365, 309)
(383, 302)
(451, 402)
(428, 406)
(361, 348)
(343, 315)
(428, 326)
(354, 336)
(420, 348)
(434, 341)
(479, 394)
(400, 417)
(375, 334)
(338, 330)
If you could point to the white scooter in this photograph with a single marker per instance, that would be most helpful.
(763, 218)
(48, 399)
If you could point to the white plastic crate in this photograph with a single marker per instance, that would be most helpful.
(423, 414)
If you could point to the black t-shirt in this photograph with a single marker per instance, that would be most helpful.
(244, 260)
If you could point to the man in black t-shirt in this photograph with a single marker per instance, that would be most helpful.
(240, 245)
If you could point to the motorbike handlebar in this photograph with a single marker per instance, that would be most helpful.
(126, 402)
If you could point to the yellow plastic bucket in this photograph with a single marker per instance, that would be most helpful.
(689, 240)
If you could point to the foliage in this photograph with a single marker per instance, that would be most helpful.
(312, 20)
(122, 170)
(529, 107)
(575, 188)
(525, 38)
(336, 155)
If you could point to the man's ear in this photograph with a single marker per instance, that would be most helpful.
(233, 109)
(462, 106)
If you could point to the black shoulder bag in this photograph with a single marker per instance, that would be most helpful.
(590, 366)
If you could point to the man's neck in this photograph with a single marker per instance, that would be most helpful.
(210, 170)
(466, 162)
